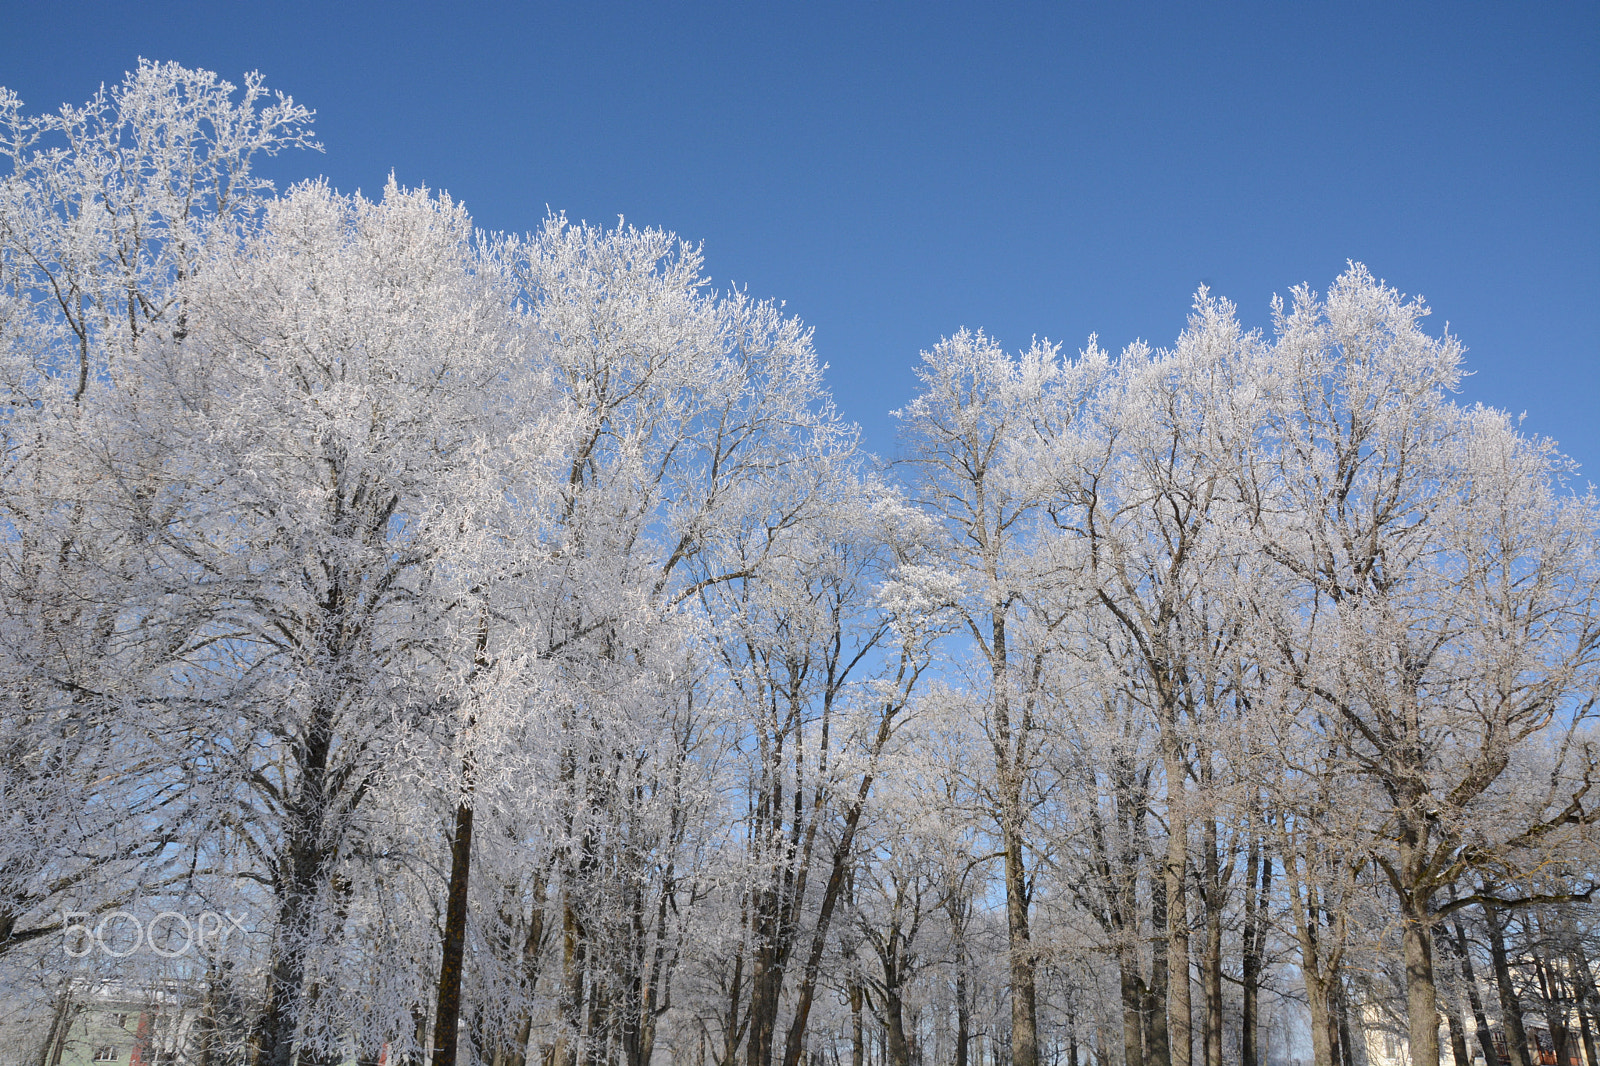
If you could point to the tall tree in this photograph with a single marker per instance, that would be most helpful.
(966, 435)
(1146, 493)
(106, 212)
(313, 425)
(1445, 606)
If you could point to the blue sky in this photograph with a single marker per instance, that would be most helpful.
(897, 171)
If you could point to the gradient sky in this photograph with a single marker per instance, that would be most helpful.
(897, 171)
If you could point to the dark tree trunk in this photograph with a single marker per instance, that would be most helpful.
(732, 1030)
(302, 870)
(839, 867)
(1180, 1014)
(1458, 1036)
(895, 1027)
(1133, 996)
(447, 1014)
(1458, 1028)
(858, 1042)
(1156, 1048)
(60, 1022)
(1554, 1012)
(1347, 1047)
(516, 1054)
(1255, 936)
(1024, 1007)
(766, 962)
(963, 1010)
(1584, 993)
(1212, 978)
(1480, 1019)
(1510, 1006)
(573, 959)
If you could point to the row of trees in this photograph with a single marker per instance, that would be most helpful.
(512, 630)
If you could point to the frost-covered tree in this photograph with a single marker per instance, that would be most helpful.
(106, 211)
(969, 438)
(1443, 611)
(318, 422)
(510, 628)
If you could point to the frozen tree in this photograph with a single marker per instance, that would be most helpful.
(967, 438)
(106, 210)
(110, 207)
(512, 628)
(1145, 491)
(319, 420)
(1443, 612)
(711, 508)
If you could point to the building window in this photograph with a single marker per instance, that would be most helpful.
(105, 1053)
(118, 1020)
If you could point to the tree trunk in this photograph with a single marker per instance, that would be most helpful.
(532, 948)
(1416, 940)
(1254, 936)
(858, 1043)
(1553, 1020)
(1587, 1033)
(732, 1031)
(656, 996)
(1584, 994)
(1347, 1046)
(1480, 1020)
(1133, 995)
(963, 1009)
(60, 1022)
(1180, 1013)
(572, 966)
(765, 976)
(302, 870)
(1458, 1035)
(894, 1024)
(1422, 1001)
(1213, 951)
(1156, 1046)
(1009, 751)
(1322, 1026)
(1319, 969)
(1510, 1008)
(843, 853)
(1024, 1010)
(448, 1012)
(1120, 874)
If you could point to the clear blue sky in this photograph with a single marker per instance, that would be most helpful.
(897, 171)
